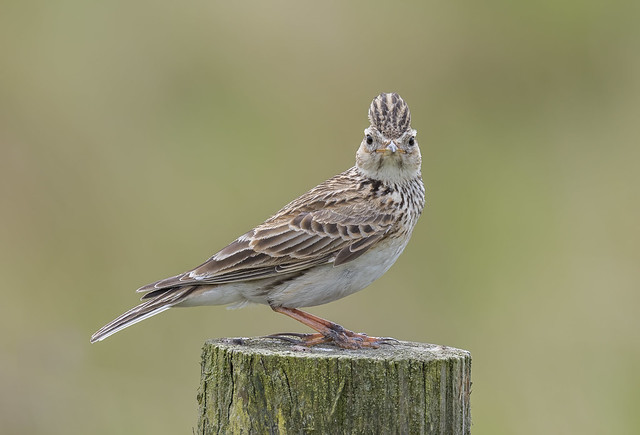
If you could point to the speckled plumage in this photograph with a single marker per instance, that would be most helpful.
(330, 242)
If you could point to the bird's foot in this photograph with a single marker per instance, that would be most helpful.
(342, 338)
(328, 332)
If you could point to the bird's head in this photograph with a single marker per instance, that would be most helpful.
(389, 150)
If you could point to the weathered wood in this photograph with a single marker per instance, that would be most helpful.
(261, 385)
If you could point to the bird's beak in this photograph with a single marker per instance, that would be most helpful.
(392, 148)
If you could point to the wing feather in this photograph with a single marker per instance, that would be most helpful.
(316, 228)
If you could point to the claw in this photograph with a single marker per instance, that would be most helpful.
(389, 341)
(307, 340)
(294, 334)
(283, 337)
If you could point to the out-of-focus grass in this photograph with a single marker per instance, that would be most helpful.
(138, 137)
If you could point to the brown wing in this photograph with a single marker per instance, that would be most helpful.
(291, 241)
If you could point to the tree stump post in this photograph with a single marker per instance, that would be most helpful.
(262, 385)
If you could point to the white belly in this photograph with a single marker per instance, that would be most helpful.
(325, 284)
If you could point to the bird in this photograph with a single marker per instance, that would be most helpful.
(332, 241)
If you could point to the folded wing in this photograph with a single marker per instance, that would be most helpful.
(324, 232)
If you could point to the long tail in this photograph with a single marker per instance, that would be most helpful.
(158, 304)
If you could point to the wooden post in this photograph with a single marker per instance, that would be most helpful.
(262, 385)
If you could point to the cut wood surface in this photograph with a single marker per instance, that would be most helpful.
(262, 385)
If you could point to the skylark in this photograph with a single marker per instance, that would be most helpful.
(332, 241)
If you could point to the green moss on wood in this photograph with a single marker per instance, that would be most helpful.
(267, 386)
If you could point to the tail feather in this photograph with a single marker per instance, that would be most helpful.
(158, 304)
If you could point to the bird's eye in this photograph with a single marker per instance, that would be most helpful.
(369, 139)
(412, 141)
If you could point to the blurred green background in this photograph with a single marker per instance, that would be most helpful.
(138, 137)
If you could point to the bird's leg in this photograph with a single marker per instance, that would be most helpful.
(327, 332)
